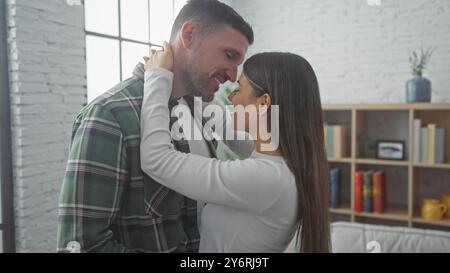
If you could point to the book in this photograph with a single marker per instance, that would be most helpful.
(341, 147)
(416, 141)
(431, 143)
(424, 145)
(379, 191)
(359, 180)
(367, 192)
(335, 181)
(439, 146)
(330, 142)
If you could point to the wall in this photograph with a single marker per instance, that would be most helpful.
(48, 88)
(359, 52)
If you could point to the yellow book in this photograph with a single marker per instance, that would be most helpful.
(337, 133)
(340, 141)
(431, 142)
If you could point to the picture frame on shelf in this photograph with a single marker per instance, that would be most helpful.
(390, 150)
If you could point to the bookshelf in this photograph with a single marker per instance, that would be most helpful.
(381, 162)
(407, 182)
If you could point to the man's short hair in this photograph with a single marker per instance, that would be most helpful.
(210, 15)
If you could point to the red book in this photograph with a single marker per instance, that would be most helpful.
(359, 180)
(379, 192)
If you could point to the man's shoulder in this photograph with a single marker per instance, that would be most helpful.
(122, 104)
(124, 94)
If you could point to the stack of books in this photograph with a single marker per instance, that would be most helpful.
(337, 141)
(428, 143)
(370, 191)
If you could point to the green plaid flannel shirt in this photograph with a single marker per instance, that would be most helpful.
(107, 203)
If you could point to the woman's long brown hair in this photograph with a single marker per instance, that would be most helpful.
(292, 84)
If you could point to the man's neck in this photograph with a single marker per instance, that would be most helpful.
(178, 89)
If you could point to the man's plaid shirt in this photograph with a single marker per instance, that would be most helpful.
(107, 203)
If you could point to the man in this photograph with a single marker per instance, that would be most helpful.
(107, 204)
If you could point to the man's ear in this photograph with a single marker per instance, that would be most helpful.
(188, 32)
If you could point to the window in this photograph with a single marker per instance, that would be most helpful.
(119, 33)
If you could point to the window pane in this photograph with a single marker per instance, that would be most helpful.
(161, 18)
(178, 5)
(102, 16)
(132, 54)
(103, 66)
(134, 19)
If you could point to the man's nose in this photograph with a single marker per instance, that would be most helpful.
(232, 73)
(231, 96)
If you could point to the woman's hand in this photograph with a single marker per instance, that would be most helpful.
(160, 59)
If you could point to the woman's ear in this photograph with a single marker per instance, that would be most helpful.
(264, 103)
(265, 100)
(188, 29)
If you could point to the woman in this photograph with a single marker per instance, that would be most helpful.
(257, 204)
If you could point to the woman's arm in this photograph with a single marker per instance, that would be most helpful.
(245, 184)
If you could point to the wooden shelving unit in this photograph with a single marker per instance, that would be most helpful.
(344, 211)
(340, 160)
(443, 223)
(381, 162)
(397, 212)
(409, 180)
(345, 208)
(435, 166)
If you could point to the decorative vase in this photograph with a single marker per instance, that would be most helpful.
(446, 201)
(433, 210)
(418, 89)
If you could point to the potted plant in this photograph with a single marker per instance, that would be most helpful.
(418, 89)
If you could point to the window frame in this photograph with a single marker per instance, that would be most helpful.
(7, 225)
(122, 39)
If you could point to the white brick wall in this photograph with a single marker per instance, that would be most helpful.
(359, 52)
(48, 88)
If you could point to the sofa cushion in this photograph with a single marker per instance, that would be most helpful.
(357, 237)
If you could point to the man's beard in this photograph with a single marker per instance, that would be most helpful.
(198, 87)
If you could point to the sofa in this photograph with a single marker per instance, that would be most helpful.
(348, 237)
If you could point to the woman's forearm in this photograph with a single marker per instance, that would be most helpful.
(243, 184)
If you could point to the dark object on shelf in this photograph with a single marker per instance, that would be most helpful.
(335, 180)
(390, 149)
(367, 146)
(367, 192)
